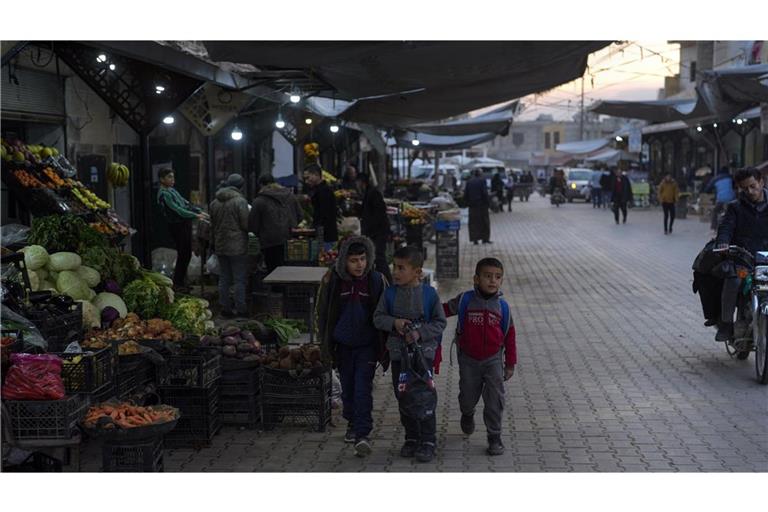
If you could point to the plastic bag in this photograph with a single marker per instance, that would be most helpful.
(12, 321)
(416, 391)
(34, 377)
(212, 265)
(13, 234)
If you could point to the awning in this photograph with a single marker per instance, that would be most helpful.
(582, 146)
(494, 122)
(442, 142)
(729, 91)
(659, 111)
(408, 82)
(611, 156)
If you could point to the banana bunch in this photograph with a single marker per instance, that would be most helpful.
(89, 199)
(117, 175)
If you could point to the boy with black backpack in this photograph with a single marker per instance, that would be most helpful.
(348, 295)
(410, 311)
(487, 353)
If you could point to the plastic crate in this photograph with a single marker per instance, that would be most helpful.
(145, 457)
(46, 419)
(296, 301)
(190, 370)
(243, 410)
(289, 399)
(301, 250)
(193, 432)
(246, 382)
(133, 374)
(93, 373)
(62, 330)
(192, 402)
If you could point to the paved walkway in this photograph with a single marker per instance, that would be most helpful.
(616, 372)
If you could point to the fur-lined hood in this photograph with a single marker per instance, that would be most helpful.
(341, 261)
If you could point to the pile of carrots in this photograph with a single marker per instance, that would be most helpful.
(126, 415)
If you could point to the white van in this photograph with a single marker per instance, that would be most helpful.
(578, 180)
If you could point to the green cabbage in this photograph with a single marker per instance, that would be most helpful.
(35, 257)
(70, 284)
(47, 285)
(91, 315)
(34, 280)
(41, 273)
(105, 299)
(64, 261)
(89, 275)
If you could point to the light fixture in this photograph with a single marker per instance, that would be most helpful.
(415, 140)
(295, 98)
(168, 119)
(334, 128)
(619, 138)
(159, 89)
(739, 121)
(280, 124)
(101, 58)
(236, 133)
(308, 120)
(714, 125)
(112, 67)
(698, 128)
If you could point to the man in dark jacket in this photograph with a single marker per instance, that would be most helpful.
(605, 186)
(374, 222)
(229, 227)
(323, 204)
(621, 194)
(275, 211)
(745, 224)
(348, 295)
(179, 213)
(476, 194)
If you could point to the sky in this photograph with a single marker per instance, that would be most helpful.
(631, 70)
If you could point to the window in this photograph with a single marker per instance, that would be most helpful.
(692, 69)
(518, 138)
(546, 140)
(557, 138)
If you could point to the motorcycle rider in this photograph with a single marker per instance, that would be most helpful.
(557, 184)
(745, 224)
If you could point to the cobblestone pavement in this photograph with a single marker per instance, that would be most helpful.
(616, 372)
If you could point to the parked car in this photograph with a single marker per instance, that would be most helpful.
(577, 181)
(426, 172)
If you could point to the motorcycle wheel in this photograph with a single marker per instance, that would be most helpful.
(761, 351)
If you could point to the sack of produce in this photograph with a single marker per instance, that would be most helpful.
(34, 377)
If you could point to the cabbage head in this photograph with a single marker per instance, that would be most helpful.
(91, 317)
(70, 284)
(89, 275)
(59, 261)
(105, 299)
(35, 257)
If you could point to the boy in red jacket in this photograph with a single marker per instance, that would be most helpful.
(487, 354)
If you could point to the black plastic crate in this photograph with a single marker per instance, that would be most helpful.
(193, 432)
(144, 457)
(62, 330)
(93, 373)
(192, 402)
(246, 382)
(296, 301)
(304, 400)
(190, 370)
(46, 419)
(315, 415)
(242, 410)
(133, 374)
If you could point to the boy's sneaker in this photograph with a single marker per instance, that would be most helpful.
(362, 447)
(425, 452)
(468, 423)
(409, 448)
(495, 446)
(349, 436)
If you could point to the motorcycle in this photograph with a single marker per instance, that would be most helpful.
(750, 330)
(557, 198)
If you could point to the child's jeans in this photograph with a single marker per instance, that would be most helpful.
(423, 431)
(356, 370)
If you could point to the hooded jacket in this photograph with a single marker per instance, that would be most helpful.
(275, 211)
(229, 222)
(345, 304)
(745, 224)
(482, 336)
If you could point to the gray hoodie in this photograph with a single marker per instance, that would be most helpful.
(275, 211)
(408, 304)
(229, 222)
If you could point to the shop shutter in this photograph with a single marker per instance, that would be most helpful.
(37, 93)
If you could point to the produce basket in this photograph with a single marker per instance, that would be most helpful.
(45, 419)
(118, 435)
(133, 373)
(301, 251)
(192, 402)
(60, 331)
(296, 398)
(243, 410)
(137, 457)
(87, 372)
(190, 370)
(296, 301)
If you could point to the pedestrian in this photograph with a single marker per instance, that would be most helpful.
(596, 189)
(349, 293)
(722, 185)
(274, 212)
(476, 193)
(178, 213)
(349, 181)
(668, 196)
(621, 194)
(487, 353)
(412, 314)
(229, 224)
(605, 188)
(323, 205)
(497, 187)
(375, 222)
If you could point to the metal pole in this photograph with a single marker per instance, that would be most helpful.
(142, 205)
(437, 169)
(581, 122)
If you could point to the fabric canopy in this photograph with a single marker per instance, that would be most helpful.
(659, 111)
(583, 146)
(729, 91)
(442, 142)
(495, 122)
(610, 156)
(404, 83)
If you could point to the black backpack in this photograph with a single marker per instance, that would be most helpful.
(416, 392)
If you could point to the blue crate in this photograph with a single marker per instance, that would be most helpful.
(447, 225)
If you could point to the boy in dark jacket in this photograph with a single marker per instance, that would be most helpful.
(348, 295)
(486, 349)
(404, 316)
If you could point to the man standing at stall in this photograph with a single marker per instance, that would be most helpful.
(178, 213)
(274, 212)
(374, 222)
(323, 205)
(476, 193)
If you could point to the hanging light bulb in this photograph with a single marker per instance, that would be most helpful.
(334, 128)
(112, 67)
(714, 125)
(280, 124)
(739, 121)
(308, 120)
(698, 128)
(168, 119)
(619, 138)
(415, 140)
(101, 58)
(236, 133)
(295, 97)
